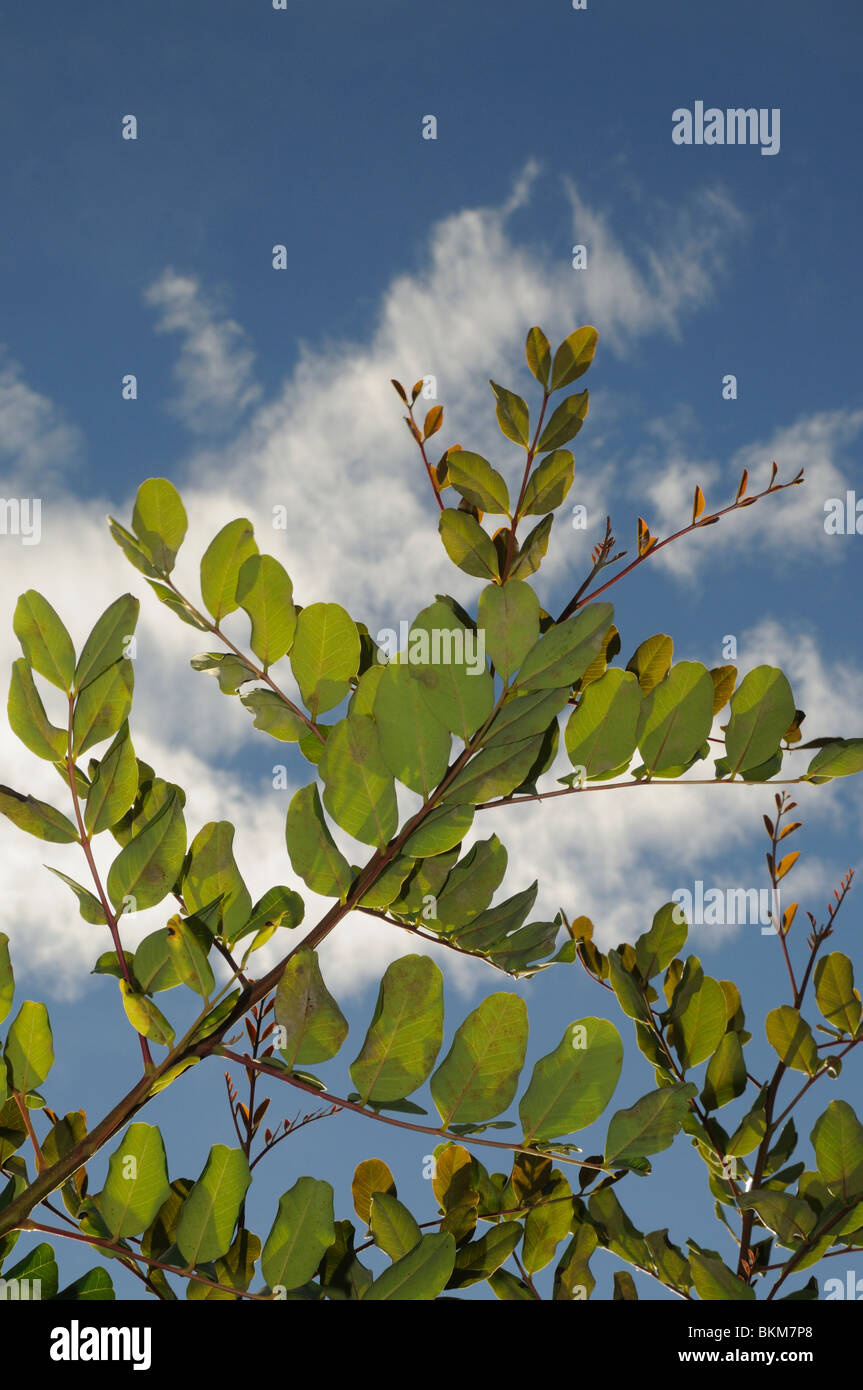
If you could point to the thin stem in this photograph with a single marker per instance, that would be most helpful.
(526, 1279)
(258, 672)
(145, 1259)
(624, 786)
(28, 1125)
(437, 1133)
(737, 505)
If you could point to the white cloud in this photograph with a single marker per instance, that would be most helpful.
(215, 366)
(820, 443)
(332, 449)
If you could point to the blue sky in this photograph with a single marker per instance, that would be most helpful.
(256, 388)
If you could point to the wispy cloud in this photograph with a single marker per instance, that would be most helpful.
(331, 448)
(214, 370)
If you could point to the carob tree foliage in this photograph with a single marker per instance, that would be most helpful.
(462, 735)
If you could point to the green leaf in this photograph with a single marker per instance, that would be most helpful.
(93, 1287)
(572, 1278)
(564, 653)
(525, 716)
(340, 1273)
(132, 550)
(532, 549)
(144, 1017)
(359, 790)
(750, 1131)
(265, 592)
(649, 1126)
(210, 1211)
(726, 1073)
(189, 957)
(29, 1050)
(419, 1276)
(490, 931)
(509, 616)
(153, 967)
(548, 484)
(538, 352)
(45, 641)
(508, 1288)
(837, 1138)
(302, 1233)
(212, 873)
(146, 869)
(27, 717)
(371, 1176)
(177, 605)
(601, 731)
(762, 708)
(236, 1269)
(573, 357)
(840, 758)
(414, 744)
(546, 1225)
(714, 1280)
(697, 1032)
(478, 1077)
(394, 1229)
(629, 991)
(443, 828)
(114, 785)
(7, 977)
(835, 994)
(572, 1085)
(159, 521)
(137, 1182)
(313, 1025)
(467, 544)
(279, 907)
(103, 705)
(91, 909)
(512, 415)
(676, 716)
(459, 692)
(792, 1038)
(230, 671)
(656, 949)
(36, 817)
(624, 1287)
(273, 716)
(470, 886)
(312, 849)
(108, 642)
(38, 1264)
(651, 661)
(565, 422)
(479, 483)
(221, 564)
(325, 655)
(791, 1218)
(405, 1034)
(479, 1259)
